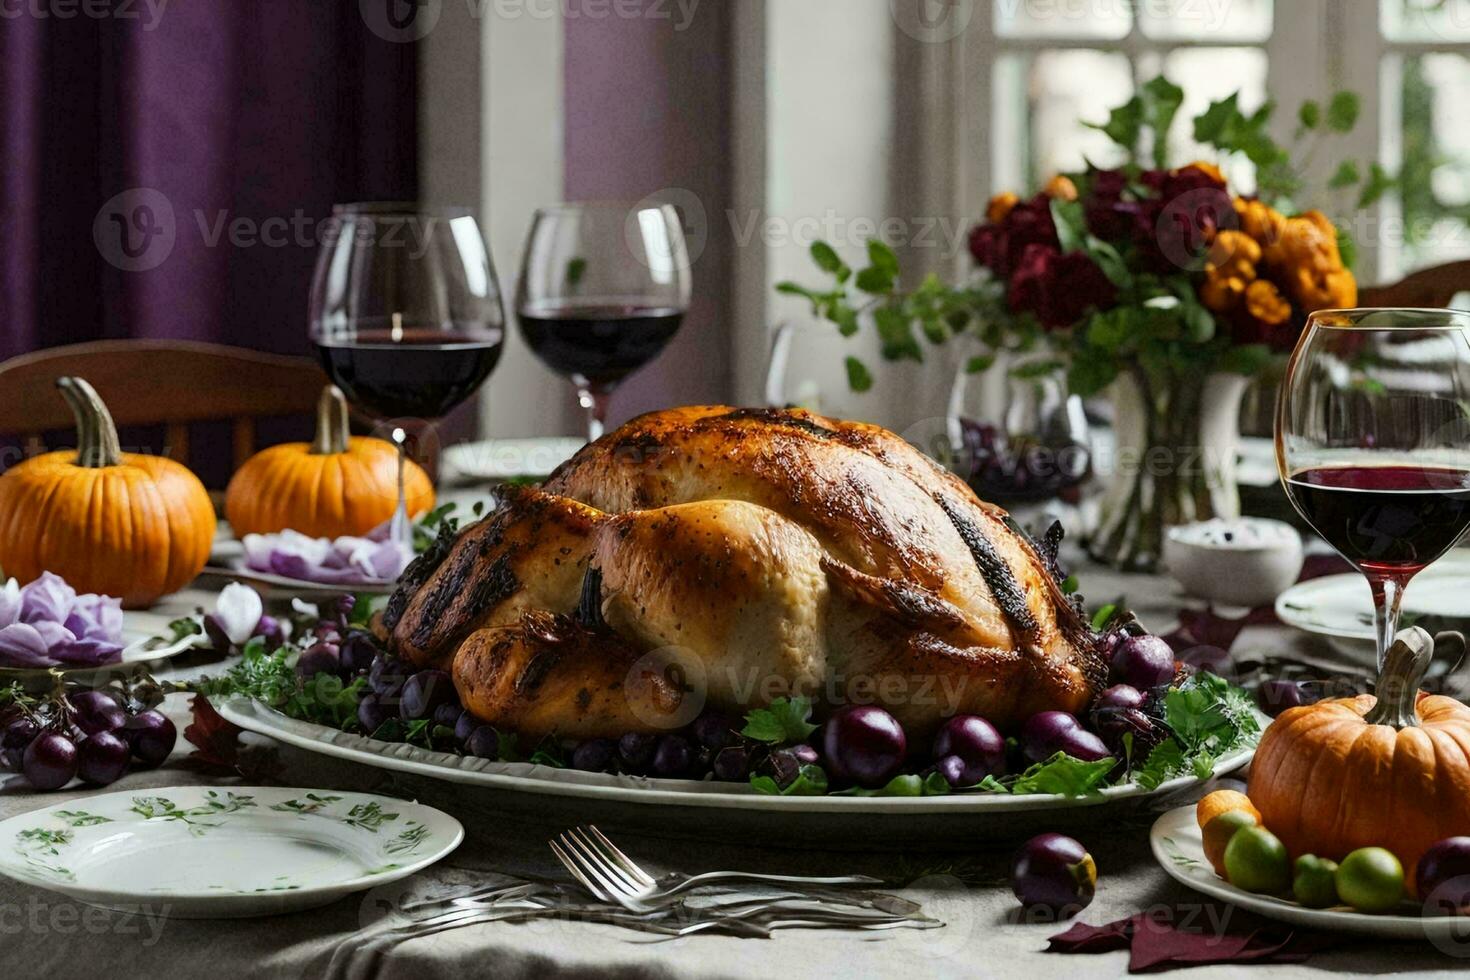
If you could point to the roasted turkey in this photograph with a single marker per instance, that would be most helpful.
(720, 557)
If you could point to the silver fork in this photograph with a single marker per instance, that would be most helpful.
(612, 876)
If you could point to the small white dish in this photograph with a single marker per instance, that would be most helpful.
(1246, 561)
(194, 852)
(1177, 846)
(510, 459)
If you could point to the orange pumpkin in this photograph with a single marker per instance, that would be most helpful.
(121, 524)
(338, 484)
(1391, 771)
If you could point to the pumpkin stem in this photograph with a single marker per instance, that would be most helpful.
(97, 444)
(331, 423)
(1398, 682)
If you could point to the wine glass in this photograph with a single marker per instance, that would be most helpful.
(406, 316)
(1373, 442)
(603, 289)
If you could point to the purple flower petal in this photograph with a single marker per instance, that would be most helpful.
(21, 645)
(48, 599)
(9, 603)
(345, 561)
(100, 616)
(86, 653)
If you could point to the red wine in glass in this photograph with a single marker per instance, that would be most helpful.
(1389, 520)
(411, 373)
(598, 345)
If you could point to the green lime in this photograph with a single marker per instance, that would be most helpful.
(1256, 860)
(1313, 884)
(1371, 879)
(1217, 833)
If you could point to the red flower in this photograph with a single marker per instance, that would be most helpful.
(999, 247)
(1058, 289)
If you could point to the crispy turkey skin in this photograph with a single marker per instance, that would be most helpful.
(749, 554)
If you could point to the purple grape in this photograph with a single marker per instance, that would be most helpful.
(465, 727)
(50, 761)
(954, 771)
(1275, 696)
(1050, 732)
(320, 658)
(270, 630)
(372, 713)
(714, 730)
(345, 604)
(387, 676)
(1119, 696)
(1143, 662)
(358, 653)
(424, 693)
(864, 744)
(1443, 877)
(96, 711)
(483, 743)
(215, 631)
(448, 715)
(595, 755)
(805, 755)
(673, 757)
(17, 735)
(103, 759)
(152, 737)
(1055, 875)
(976, 743)
(635, 752)
(732, 764)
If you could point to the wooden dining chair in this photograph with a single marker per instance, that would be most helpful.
(168, 383)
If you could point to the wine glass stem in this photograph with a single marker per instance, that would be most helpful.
(1388, 600)
(594, 400)
(399, 529)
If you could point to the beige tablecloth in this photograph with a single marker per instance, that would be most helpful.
(961, 881)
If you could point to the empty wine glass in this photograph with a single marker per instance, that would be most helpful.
(406, 316)
(603, 289)
(1373, 442)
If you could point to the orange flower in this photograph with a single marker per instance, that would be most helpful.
(1233, 253)
(1221, 293)
(1000, 206)
(1061, 187)
(1260, 221)
(1265, 302)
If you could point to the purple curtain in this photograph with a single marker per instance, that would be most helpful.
(166, 171)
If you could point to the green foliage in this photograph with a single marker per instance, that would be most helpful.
(786, 721)
(1207, 717)
(271, 679)
(809, 781)
(1061, 774)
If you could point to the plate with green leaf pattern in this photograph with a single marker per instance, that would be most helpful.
(200, 852)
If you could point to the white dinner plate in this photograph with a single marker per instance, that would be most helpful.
(1340, 607)
(510, 459)
(199, 852)
(550, 781)
(1176, 843)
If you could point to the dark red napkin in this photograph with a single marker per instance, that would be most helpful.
(1155, 943)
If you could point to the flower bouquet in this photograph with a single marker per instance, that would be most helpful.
(1166, 287)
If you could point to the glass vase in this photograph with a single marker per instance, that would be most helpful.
(1174, 462)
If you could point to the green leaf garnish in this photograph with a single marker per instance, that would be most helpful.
(809, 781)
(785, 722)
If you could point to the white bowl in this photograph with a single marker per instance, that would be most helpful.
(1245, 561)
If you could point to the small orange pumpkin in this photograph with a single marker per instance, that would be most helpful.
(1389, 771)
(120, 524)
(339, 484)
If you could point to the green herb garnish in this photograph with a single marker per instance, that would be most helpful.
(785, 722)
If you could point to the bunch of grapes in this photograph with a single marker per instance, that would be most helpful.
(96, 735)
